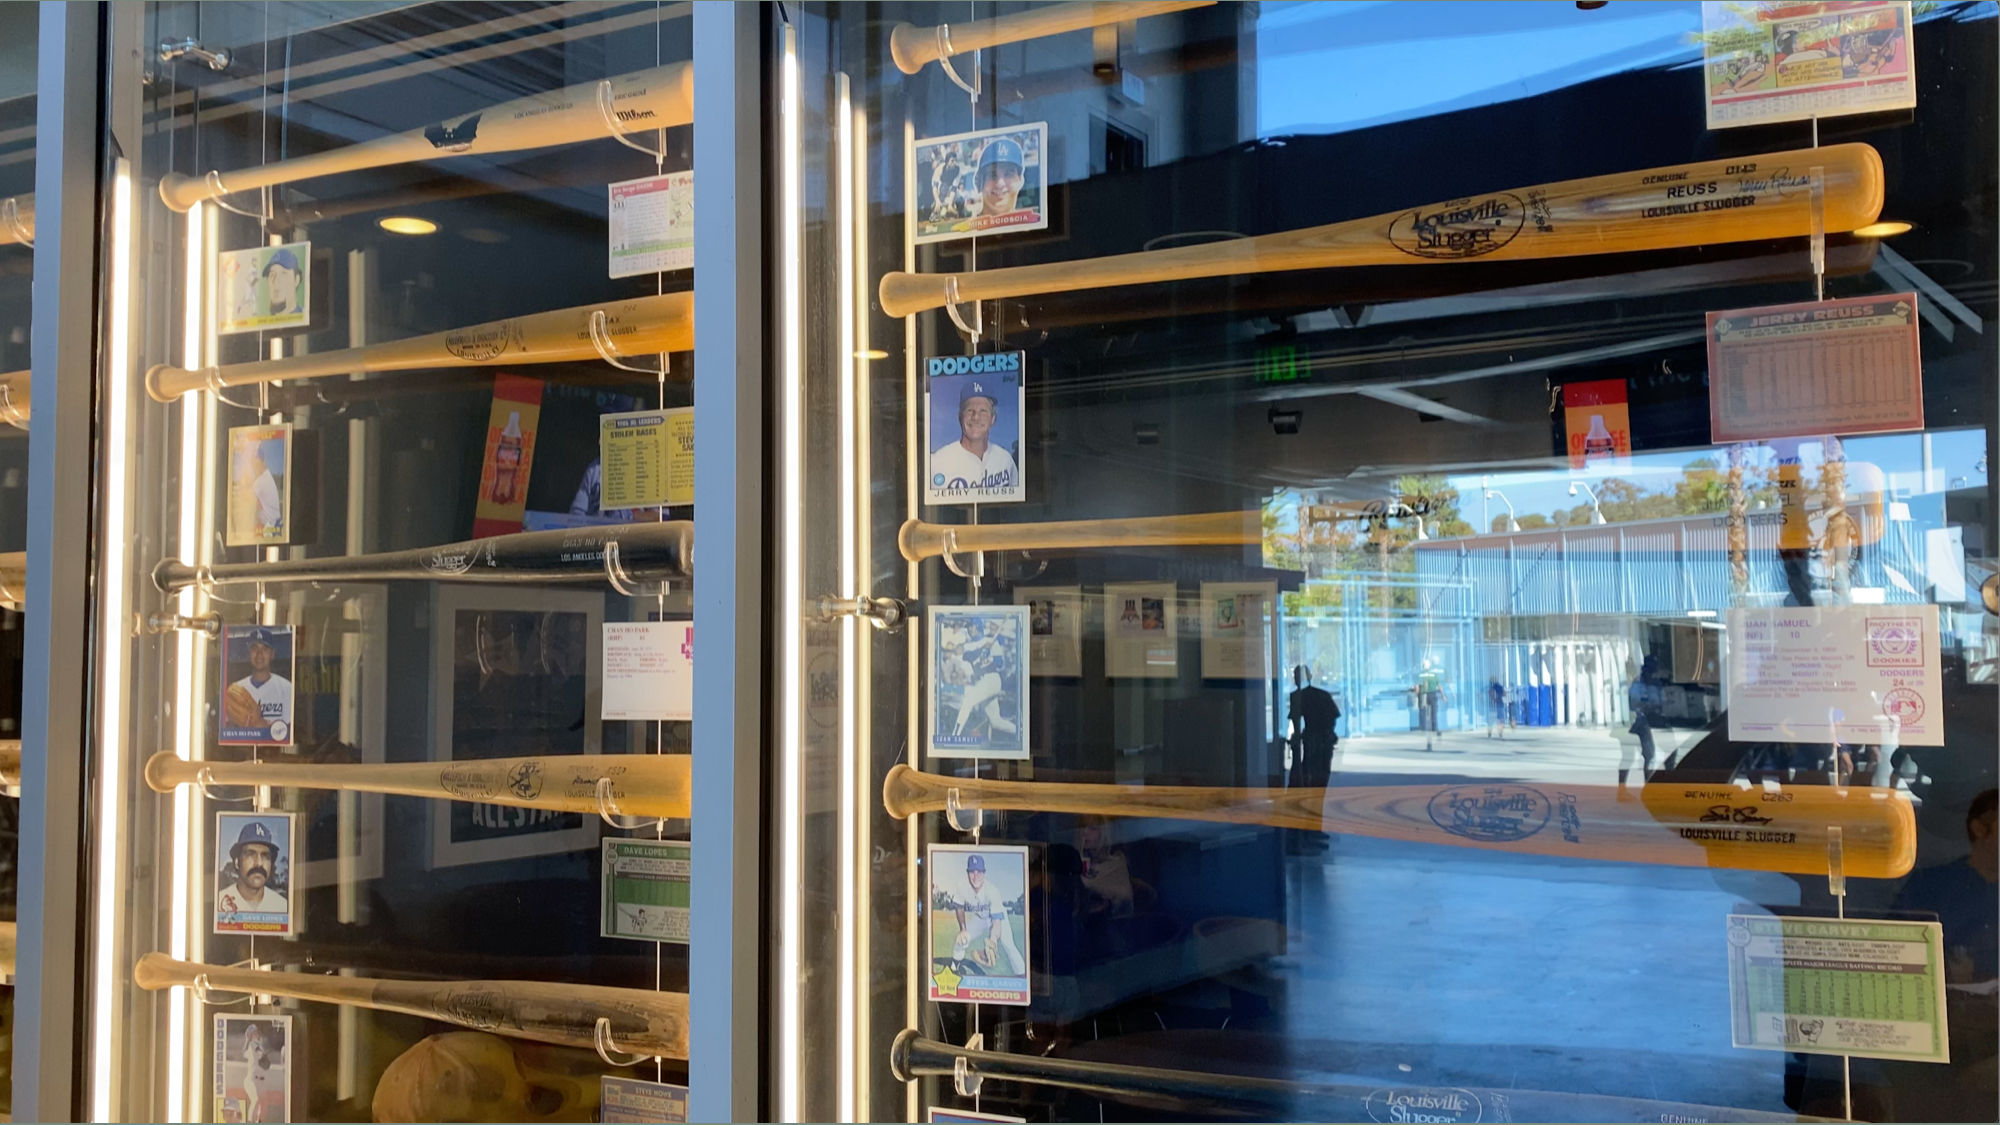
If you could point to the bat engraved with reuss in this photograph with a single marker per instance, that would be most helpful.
(654, 1023)
(641, 784)
(1736, 200)
(644, 552)
(648, 99)
(642, 326)
(1752, 828)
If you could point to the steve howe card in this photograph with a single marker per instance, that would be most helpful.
(979, 679)
(985, 182)
(974, 406)
(256, 704)
(978, 923)
(253, 873)
(251, 1059)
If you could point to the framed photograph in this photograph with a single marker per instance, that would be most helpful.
(979, 924)
(514, 673)
(257, 671)
(263, 287)
(1055, 628)
(979, 677)
(990, 181)
(1237, 626)
(1141, 631)
(974, 410)
(252, 1060)
(260, 486)
(253, 873)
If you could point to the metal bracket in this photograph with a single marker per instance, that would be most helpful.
(154, 624)
(217, 191)
(205, 777)
(944, 63)
(607, 110)
(173, 49)
(607, 809)
(954, 811)
(886, 614)
(949, 554)
(964, 1079)
(607, 1050)
(952, 305)
(609, 353)
(202, 992)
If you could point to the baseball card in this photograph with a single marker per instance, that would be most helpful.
(256, 705)
(1141, 631)
(979, 677)
(260, 494)
(252, 1061)
(979, 928)
(974, 406)
(644, 890)
(985, 182)
(253, 873)
(263, 287)
(635, 1100)
(1236, 629)
(1055, 628)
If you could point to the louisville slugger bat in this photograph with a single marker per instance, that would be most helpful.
(654, 1023)
(913, 46)
(1753, 829)
(919, 540)
(6, 949)
(1711, 201)
(648, 99)
(642, 326)
(912, 1056)
(644, 552)
(641, 784)
(10, 763)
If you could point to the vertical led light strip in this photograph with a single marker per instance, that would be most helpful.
(863, 809)
(850, 586)
(107, 990)
(791, 593)
(918, 912)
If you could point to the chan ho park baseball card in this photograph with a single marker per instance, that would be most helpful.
(979, 681)
(978, 896)
(257, 669)
(974, 407)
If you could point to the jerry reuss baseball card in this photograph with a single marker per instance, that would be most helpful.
(974, 406)
(252, 1066)
(978, 896)
(979, 678)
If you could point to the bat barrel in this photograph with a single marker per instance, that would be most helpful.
(918, 540)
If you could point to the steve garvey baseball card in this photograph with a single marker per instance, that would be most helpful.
(985, 182)
(978, 897)
(252, 1065)
(256, 703)
(253, 873)
(979, 679)
(974, 406)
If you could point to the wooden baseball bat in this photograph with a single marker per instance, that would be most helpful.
(648, 99)
(1710, 201)
(641, 784)
(919, 540)
(911, 46)
(654, 1023)
(14, 397)
(1752, 829)
(642, 326)
(14, 580)
(10, 763)
(645, 552)
(17, 219)
(6, 949)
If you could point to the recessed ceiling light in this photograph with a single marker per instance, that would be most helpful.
(1884, 229)
(407, 224)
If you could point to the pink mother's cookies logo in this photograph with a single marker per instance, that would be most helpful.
(1895, 642)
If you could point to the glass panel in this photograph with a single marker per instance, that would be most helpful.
(404, 557)
(18, 24)
(1399, 662)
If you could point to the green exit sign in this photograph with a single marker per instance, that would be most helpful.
(1279, 363)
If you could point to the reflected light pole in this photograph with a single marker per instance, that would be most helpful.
(1596, 512)
(1512, 523)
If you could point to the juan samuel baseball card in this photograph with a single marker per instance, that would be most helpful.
(979, 677)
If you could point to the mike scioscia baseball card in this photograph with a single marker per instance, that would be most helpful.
(978, 896)
(979, 680)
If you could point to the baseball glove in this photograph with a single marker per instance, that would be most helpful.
(988, 954)
(240, 708)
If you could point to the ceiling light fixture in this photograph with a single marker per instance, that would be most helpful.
(1887, 228)
(407, 224)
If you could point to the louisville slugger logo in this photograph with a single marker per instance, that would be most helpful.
(471, 780)
(486, 341)
(477, 1007)
(1490, 813)
(1424, 1105)
(453, 138)
(459, 558)
(1463, 228)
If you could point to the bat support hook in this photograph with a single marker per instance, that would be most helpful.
(955, 814)
(204, 780)
(607, 808)
(219, 194)
(953, 308)
(608, 1050)
(8, 410)
(600, 338)
(10, 217)
(607, 109)
(964, 1079)
(949, 554)
(204, 993)
(944, 63)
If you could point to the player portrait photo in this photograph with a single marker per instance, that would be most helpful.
(985, 182)
(253, 873)
(260, 496)
(263, 287)
(979, 676)
(252, 1058)
(974, 408)
(978, 899)
(256, 705)
(1055, 629)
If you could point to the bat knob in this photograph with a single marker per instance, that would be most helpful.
(910, 48)
(180, 193)
(163, 770)
(154, 972)
(172, 574)
(156, 382)
(899, 1055)
(896, 791)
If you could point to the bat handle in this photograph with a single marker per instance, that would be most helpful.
(165, 382)
(905, 793)
(905, 294)
(157, 970)
(172, 574)
(167, 770)
(911, 46)
(180, 193)
(918, 540)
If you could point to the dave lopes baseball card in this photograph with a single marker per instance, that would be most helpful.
(974, 408)
(978, 897)
(252, 1060)
(253, 873)
(256, 705)
(979, 678)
